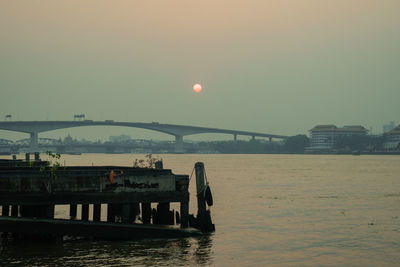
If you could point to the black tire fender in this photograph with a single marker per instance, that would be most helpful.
(208, 196)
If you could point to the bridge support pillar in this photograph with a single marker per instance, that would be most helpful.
(253, 138)
(178, 143)
(235, 138)
(270, 139)
(34, 141)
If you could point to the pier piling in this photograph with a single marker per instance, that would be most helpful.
(184, 214)
(96, 212)
(48, 211)
(203, 219)
(14, 210)
(111, 212)
(5, 210)
(135, 210)
(73, 211)
(163, 213)
(85, 212)
(126, 216)
(146, 212)
(171, 217)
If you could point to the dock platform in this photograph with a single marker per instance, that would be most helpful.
(137, 199)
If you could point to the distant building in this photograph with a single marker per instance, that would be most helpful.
(388, 127)
(392, 139)
(68, 140)
(120, 138)
(323, 137)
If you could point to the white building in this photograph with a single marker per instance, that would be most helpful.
(323, 137)
(388, 127)
(392, 139)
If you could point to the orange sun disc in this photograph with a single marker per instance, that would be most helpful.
(197, 88)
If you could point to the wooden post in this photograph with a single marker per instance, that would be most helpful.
(171, 217)
(96, 212)
(126, 213)
(163, 213)
(154, 216)
(135, 210)
(26, 211)
(177, 217)
(162, 207)
(117, 207)
(14, 210)
(27, 156)
(14, 213)
(203, 215)
(85, 212)
(37, 156)
(184, 214)
(146, 212)
(48, 211)
(73, 211)
(110, 213)
(5, 210)
(200, 186)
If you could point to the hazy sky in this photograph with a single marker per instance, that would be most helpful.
(271, 66)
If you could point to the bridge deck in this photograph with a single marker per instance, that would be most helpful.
(172, 129)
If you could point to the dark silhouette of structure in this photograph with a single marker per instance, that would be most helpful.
(179, 131)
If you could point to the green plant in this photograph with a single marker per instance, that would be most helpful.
(52, 164)
(148, 162)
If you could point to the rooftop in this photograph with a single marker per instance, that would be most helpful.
(333, 128)
(395, 130)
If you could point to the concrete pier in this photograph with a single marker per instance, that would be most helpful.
(29, 194)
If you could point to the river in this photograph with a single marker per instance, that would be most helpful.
(269, 210)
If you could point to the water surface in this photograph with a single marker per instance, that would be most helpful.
(275, 210)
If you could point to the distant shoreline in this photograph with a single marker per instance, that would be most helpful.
(191, 153)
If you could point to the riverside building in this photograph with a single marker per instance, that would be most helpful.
(392, 139)
(323, 137)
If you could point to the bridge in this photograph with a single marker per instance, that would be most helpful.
(178, 131)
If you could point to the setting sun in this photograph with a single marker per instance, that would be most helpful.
(197, 88)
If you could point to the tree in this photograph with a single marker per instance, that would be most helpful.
(352, 142)
(296, 144)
